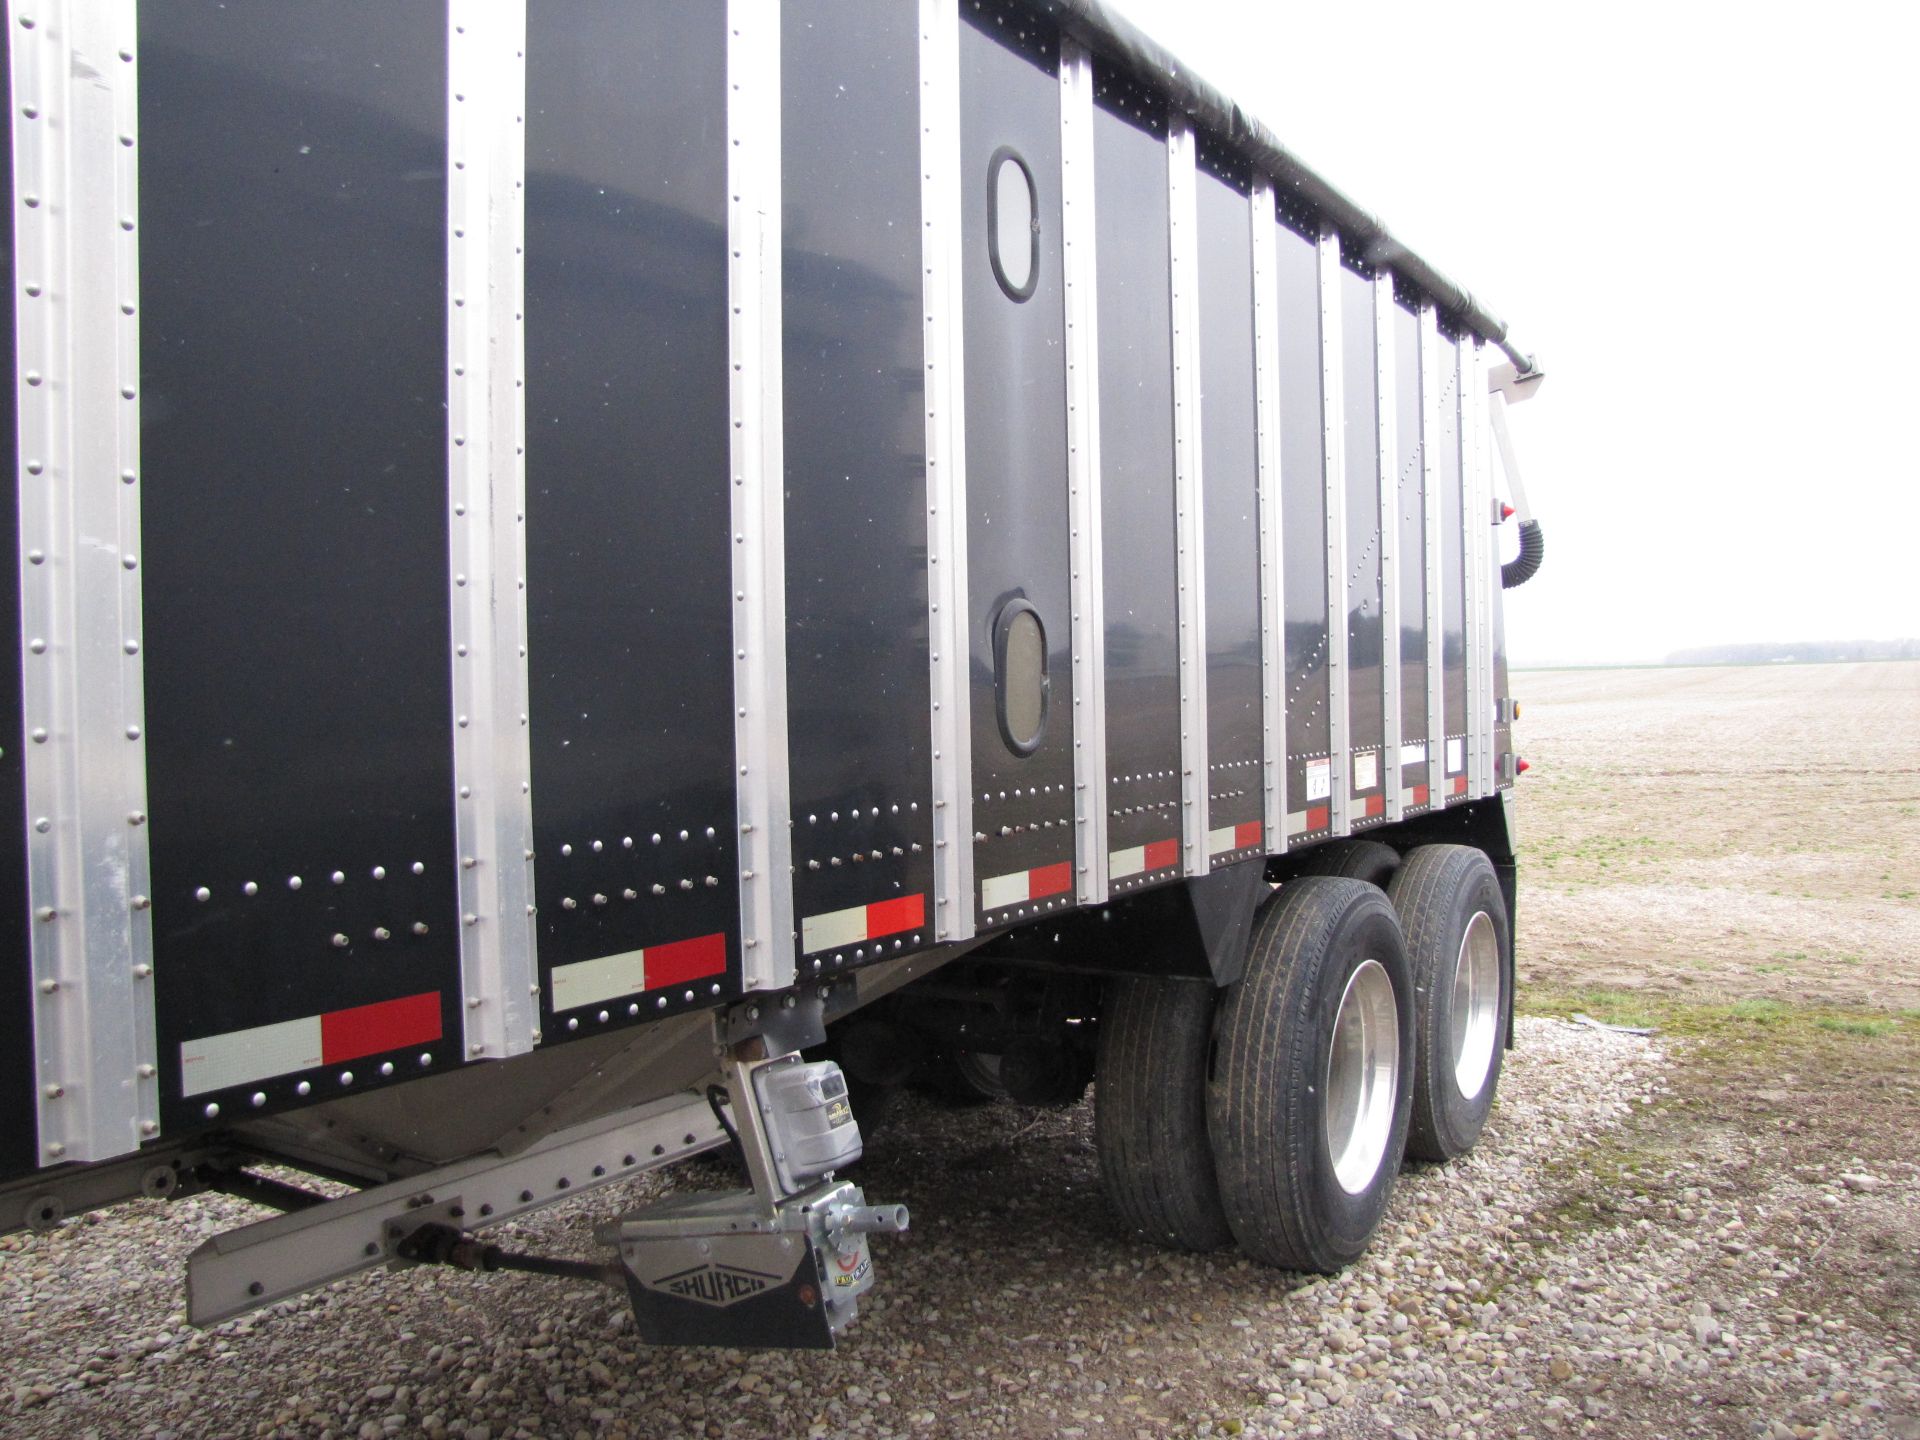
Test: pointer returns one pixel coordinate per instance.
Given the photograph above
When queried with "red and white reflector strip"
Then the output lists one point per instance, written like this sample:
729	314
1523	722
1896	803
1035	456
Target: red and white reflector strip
590	982
1235	837
838	928
998	891
1417	796
1373	805
1141	859
1459	785
1305	822
242	1057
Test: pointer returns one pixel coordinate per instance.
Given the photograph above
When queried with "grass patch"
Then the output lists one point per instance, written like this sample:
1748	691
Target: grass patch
1735	1025
1612	1007
1852	1025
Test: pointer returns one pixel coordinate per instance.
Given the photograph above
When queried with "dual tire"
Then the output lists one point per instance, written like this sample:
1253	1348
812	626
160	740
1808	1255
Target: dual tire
1274	1114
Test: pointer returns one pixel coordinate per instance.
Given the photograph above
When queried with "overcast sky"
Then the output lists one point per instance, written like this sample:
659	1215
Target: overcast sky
1705	220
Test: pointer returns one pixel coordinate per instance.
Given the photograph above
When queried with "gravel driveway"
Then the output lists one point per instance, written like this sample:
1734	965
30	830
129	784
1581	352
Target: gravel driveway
1485	1307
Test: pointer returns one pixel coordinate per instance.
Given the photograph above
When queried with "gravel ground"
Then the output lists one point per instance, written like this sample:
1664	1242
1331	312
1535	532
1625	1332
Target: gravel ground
1491	1304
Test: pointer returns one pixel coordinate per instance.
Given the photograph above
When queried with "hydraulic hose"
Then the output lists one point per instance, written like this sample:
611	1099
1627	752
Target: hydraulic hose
1524	566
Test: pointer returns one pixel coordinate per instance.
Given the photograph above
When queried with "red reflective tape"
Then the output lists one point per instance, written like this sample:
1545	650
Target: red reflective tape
1050	880
684	960
1162	853
1459	784
890	917
388	1025
1251	833
1376	805
1419	794
1318	817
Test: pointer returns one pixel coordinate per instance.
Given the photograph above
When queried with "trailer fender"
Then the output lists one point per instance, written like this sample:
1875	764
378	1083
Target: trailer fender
1197	928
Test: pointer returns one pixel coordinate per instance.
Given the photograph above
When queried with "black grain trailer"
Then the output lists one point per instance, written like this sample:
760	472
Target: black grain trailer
572	554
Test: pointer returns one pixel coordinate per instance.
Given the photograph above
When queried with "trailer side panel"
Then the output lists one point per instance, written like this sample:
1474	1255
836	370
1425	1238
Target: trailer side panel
1137	482
1303	528
629	549
294	516
1365	680
1413	560
1453	590
856	476
17	1143
1014	318
1230	461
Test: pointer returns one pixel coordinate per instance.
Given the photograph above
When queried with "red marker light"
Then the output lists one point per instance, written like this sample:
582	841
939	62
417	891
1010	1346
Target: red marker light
1520	767
1506	510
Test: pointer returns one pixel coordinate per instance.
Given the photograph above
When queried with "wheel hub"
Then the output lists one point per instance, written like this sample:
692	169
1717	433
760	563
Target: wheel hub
1476	1005
1363	1075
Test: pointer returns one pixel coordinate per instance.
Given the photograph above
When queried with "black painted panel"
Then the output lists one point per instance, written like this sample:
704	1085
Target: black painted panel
1229	458
1453	595
1303	525
1365	673
18	1150
856	474
629	553
1016	409
1139	578
1413	550
292	346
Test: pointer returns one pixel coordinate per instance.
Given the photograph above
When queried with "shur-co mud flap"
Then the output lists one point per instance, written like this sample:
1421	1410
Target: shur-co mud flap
723	1270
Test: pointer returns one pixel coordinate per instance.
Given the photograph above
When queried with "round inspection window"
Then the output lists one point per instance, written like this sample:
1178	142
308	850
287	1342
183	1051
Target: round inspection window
1020	676
1013	224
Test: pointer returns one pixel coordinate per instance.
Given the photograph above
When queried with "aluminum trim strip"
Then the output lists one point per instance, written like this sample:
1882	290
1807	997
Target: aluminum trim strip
1087	551
76	255
953	912
1387	441
767	934
1189	509
486	523
1273	593
1334	451
1434	568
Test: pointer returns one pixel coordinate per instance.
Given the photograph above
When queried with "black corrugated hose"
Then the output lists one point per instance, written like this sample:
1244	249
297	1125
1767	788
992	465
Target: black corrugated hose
1524	566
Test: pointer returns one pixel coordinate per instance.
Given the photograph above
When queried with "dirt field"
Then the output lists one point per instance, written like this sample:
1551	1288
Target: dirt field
1724	833
1712	1231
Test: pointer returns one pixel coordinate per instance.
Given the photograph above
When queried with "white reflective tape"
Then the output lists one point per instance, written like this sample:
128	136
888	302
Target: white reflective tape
1219	842
1456	754
1122	863
1297	823
998	890
588	981
836	927
1413	753
240	1057
1319	779
1366	770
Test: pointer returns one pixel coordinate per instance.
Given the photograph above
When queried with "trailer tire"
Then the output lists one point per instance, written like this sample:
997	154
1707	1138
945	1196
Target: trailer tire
1150	1110
1455	920
1367	860
1308	1098
967	1077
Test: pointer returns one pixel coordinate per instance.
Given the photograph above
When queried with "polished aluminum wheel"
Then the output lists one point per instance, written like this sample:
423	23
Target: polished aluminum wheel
1476	1004
1363	1077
